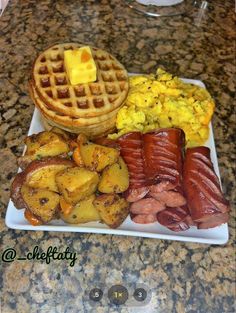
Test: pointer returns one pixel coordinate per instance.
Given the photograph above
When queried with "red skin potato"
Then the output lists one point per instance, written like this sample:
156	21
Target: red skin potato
22	177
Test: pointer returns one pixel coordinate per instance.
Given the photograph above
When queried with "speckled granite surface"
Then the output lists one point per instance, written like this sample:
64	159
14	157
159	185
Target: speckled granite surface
183	277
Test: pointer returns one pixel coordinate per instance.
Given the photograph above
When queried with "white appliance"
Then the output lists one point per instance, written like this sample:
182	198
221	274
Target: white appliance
3	4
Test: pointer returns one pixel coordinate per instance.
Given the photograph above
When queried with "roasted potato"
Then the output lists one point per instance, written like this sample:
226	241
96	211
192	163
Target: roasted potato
68	137
41	174
115	178
83	212
61	132
32	218
42	145
38	174
96	157
81	139
42	203
112	209
15	191
76	183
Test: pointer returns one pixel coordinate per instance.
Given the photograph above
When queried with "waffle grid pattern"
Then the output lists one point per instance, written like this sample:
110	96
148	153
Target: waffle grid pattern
85	100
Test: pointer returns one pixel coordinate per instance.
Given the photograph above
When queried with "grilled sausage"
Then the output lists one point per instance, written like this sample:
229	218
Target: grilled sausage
143	218
147	206
169	198
174	218
214	221
131	151
162	186
132	195
163	156
202	189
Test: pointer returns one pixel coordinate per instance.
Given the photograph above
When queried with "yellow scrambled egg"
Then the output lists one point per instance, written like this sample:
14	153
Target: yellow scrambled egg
161	100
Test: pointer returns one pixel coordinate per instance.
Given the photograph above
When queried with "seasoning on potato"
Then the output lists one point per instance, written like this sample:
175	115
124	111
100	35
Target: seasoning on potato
161	100
97	157
83	212
76	183
112	208
115	178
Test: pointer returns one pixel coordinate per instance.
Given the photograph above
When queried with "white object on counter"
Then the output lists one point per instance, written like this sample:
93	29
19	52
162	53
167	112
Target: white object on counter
159	3
3	4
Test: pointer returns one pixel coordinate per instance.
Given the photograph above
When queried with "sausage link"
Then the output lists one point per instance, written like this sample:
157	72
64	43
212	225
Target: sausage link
169	198
144	218
135	194
147	206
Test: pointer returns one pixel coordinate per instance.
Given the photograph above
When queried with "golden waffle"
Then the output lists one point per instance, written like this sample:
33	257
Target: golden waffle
89	100
65	119
92	127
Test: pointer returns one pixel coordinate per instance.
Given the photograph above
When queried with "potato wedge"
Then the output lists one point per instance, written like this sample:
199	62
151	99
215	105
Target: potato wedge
76	183
81	139
83	212
44	144
42	203
96	157
41	174
38	174
115	178
112	209
32	218
61	132
15	191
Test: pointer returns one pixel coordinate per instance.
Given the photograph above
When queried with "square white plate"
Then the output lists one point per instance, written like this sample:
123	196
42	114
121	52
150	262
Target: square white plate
218	235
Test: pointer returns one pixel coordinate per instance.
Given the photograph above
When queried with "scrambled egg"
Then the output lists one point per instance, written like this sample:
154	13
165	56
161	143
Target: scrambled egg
161	100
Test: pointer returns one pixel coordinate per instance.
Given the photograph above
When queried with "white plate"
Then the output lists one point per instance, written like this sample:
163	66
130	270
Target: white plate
218	235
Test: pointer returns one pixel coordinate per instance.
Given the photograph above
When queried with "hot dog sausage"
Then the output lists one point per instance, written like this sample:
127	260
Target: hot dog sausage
169	198
143	218
147	206
206	202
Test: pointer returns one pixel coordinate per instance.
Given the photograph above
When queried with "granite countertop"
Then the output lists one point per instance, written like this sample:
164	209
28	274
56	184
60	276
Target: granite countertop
183	277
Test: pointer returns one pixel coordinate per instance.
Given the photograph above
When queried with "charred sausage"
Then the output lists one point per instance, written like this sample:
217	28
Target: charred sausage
131	151
169	198
163	156
206	202
174	218
143	218
147	206
132	195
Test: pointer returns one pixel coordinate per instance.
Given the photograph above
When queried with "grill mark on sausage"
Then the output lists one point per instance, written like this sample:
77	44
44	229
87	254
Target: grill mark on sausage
220	204
174	218
202	188
214	221
203	158
162	186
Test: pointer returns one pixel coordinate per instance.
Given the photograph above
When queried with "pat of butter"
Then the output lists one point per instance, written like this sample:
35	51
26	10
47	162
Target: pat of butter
80	66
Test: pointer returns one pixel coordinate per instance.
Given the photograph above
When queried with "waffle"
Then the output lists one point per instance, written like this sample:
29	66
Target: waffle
92	127
81	106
